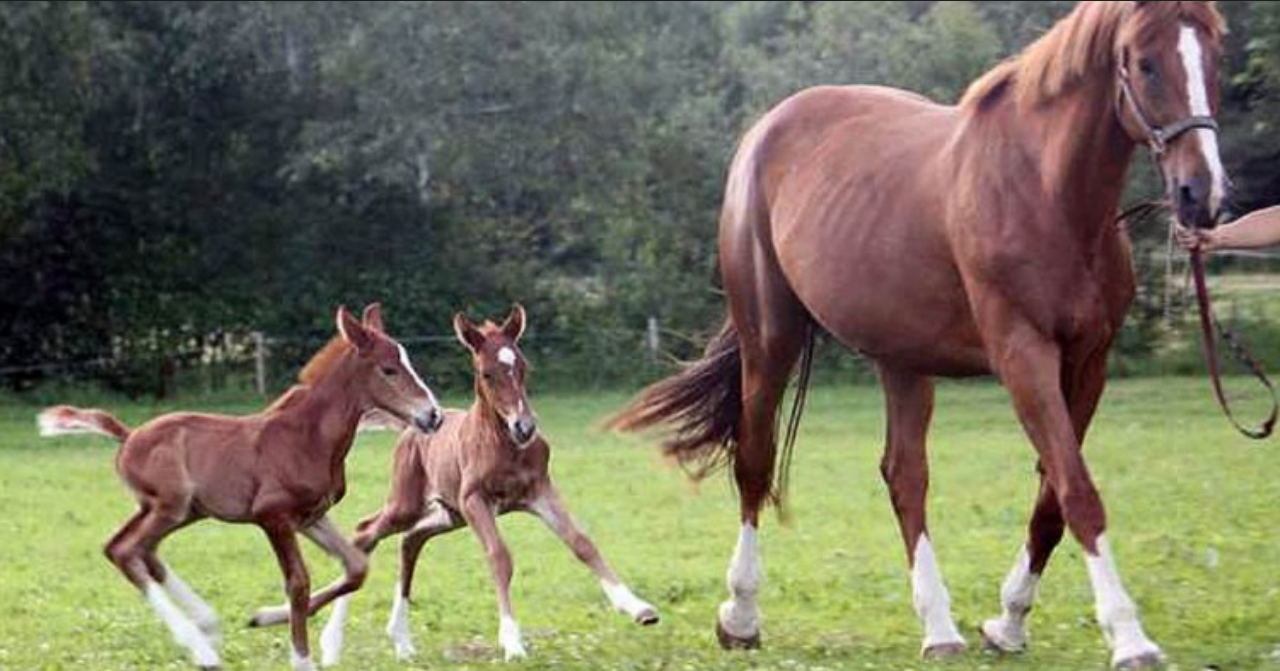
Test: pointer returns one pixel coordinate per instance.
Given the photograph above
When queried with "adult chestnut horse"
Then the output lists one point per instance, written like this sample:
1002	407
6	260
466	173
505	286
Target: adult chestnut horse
281	469
953	241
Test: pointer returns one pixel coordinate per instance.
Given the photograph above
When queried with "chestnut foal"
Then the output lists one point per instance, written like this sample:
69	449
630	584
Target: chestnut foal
483	462
280	469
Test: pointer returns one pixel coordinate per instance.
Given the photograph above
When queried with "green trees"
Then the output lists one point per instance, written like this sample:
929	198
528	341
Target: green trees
172	172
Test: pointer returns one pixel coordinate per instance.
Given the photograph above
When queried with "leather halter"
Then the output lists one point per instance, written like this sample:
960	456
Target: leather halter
1158	138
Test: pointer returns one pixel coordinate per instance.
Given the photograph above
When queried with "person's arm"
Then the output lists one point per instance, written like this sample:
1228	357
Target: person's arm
1256	229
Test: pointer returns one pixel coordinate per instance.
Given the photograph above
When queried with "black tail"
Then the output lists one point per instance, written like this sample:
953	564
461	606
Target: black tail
703	402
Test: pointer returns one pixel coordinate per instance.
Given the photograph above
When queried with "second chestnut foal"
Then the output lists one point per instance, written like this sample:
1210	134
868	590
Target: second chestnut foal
482	463
281	469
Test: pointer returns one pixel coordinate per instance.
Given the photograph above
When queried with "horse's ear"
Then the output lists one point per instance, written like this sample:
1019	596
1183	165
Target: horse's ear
373	317
513	328
352	332
467	333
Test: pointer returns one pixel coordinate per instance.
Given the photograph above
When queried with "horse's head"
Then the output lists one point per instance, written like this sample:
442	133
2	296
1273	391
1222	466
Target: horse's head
500	371
385	379
1167	56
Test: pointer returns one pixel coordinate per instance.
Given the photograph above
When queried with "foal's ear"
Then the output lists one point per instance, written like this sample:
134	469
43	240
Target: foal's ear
356	335
467	333
513	328
373	317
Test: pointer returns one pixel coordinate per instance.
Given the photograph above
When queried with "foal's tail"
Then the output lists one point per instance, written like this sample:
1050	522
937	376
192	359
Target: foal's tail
703	403
62	420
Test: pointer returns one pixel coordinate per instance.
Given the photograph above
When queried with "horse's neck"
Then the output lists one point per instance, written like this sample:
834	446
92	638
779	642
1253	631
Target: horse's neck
329	407
1084	158
486	430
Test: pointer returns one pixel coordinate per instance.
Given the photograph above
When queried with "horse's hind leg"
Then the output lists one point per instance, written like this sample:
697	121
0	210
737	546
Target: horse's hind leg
129	551
200	611
772	329
437	522
905	467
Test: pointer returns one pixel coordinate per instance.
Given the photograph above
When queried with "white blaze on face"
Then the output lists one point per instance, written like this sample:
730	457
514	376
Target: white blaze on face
404	361
507	356
1198	97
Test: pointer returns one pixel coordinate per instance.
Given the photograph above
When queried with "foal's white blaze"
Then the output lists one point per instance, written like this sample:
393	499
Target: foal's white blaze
507	356
1117	615
930	597
184	632
739	616
1198	96
1017	594
398	627
510	639
404	361
331	638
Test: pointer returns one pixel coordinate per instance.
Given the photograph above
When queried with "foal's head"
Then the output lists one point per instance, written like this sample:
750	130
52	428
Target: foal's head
385	380
500	371
1167	56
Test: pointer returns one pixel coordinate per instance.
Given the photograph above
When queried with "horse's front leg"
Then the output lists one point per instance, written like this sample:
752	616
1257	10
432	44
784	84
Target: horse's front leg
550	508
479	516
297	586
1030	365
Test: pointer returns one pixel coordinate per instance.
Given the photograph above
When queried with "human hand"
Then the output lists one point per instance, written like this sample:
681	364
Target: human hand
1196	238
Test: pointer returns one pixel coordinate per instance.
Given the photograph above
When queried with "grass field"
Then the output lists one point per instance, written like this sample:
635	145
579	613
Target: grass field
1194	514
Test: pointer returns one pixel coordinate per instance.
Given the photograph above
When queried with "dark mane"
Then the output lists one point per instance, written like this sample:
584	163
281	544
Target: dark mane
1078	46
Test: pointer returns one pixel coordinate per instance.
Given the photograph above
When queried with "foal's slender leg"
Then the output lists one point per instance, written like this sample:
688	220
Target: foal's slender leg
200	611
479	516
129	549
1030	366
297	585
438	522
1007	633
551	509
905	467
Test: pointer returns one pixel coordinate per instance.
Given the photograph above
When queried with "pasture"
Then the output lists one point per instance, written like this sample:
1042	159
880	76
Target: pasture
1192	507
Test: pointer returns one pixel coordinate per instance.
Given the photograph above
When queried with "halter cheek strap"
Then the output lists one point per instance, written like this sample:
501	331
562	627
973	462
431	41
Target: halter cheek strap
1158	138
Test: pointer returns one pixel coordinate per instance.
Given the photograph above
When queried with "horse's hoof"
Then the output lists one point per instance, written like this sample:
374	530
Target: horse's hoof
1147	660
940	651
730	642
647	617
998	645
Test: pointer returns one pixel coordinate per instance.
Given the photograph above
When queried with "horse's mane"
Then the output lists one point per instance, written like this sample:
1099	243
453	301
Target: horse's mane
1077	47
323	361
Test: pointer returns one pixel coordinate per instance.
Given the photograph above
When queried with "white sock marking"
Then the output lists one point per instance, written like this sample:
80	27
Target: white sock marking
300	663
184	632
929	594
625	600
1198	96
1017	594
740	616
202	614
331	637
398	627
510	639
1117	615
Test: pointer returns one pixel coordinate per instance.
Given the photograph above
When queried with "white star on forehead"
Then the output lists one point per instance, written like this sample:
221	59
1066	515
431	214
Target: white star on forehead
507	356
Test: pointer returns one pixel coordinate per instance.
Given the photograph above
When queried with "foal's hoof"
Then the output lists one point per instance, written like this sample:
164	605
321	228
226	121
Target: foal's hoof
940	651
1148	660
730	642
647	617
998	642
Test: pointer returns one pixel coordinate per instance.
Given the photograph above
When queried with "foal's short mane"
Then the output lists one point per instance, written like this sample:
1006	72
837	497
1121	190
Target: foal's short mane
323	360
1079	45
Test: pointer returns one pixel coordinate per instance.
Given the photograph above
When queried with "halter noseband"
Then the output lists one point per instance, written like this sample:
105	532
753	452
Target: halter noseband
1159	137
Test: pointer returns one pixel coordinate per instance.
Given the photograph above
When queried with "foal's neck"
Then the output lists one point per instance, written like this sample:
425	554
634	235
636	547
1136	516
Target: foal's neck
332	408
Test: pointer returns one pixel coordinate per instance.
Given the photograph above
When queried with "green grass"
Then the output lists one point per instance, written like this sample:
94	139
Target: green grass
1180	486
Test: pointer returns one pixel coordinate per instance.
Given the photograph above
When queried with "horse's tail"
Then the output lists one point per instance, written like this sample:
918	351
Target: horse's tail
62	420
703	403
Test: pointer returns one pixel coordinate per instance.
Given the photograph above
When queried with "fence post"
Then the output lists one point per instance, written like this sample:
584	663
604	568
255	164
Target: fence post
260	362
653	339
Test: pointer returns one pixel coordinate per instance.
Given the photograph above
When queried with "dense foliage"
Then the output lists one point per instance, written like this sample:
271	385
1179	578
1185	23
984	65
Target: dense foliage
174	175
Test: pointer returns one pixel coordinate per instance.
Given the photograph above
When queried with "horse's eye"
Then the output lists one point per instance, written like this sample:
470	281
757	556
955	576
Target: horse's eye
390	372
488	376
1147	67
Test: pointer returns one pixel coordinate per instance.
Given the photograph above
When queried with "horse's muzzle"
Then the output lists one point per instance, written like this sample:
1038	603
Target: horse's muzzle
429	420
523	430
